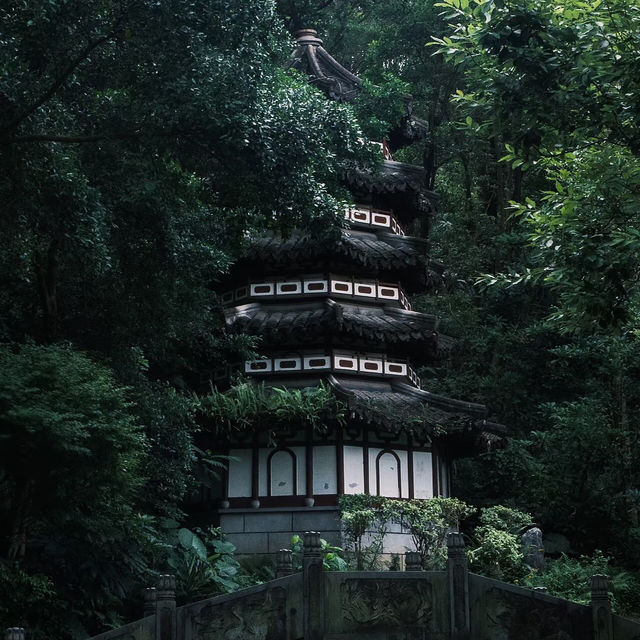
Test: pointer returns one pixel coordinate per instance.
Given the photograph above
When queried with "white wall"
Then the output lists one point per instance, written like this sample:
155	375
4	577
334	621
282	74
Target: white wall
263	455
325	477
282	474
389	473
240	474
325	472
353	470
422	474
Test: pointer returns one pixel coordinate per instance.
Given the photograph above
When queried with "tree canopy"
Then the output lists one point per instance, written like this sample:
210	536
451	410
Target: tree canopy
140	142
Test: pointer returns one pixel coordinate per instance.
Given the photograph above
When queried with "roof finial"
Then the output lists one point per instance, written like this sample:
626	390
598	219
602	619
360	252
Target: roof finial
308	36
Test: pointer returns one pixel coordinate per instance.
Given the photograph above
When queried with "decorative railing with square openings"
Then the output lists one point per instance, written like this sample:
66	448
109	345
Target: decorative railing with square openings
313	286
368	364
373	218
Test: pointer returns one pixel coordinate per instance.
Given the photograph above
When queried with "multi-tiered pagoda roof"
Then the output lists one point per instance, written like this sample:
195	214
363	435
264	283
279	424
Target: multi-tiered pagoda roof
336	310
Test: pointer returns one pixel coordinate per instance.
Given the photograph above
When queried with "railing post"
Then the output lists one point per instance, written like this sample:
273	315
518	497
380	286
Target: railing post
601	608
166	608
312	587
458	574
14	633
284	563
149	602
412	561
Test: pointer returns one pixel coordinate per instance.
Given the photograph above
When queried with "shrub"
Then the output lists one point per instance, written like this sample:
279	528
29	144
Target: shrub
570	578
204	564
498	555
429	521
30	601
332	559
364	519
498	551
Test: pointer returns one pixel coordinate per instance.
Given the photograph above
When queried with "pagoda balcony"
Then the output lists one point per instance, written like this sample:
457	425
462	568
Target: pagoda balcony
332	286
373	218
334	361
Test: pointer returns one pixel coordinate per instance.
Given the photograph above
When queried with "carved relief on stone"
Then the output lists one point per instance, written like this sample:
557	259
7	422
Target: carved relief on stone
395	604
511	616
260	616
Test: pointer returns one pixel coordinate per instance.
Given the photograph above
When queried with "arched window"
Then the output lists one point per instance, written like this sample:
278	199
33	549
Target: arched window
282	473
388	477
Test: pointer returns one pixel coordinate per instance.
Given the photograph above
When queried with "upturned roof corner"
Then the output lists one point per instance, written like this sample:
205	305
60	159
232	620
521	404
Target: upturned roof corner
340	84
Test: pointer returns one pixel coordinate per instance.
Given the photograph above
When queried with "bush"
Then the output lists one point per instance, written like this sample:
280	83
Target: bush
498	555
204	564
498	551
428	521
30	601
570	578
364	518
332	559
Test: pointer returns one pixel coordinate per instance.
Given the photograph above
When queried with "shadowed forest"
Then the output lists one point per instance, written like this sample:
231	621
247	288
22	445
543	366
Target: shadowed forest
142	142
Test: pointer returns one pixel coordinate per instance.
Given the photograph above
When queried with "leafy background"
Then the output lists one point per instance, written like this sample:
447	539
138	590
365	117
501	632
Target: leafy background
141	141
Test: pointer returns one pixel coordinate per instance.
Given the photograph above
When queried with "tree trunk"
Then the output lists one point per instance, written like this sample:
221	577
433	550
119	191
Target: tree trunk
19	520
46	271
468	183
429	163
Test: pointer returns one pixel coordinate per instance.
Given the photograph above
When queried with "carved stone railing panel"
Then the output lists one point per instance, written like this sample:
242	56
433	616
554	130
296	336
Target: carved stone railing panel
625	629
385	605
144	629
272	611
501	611
377	604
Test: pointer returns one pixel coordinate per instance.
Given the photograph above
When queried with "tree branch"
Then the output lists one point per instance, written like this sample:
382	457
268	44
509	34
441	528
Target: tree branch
102	137
51	137
59	81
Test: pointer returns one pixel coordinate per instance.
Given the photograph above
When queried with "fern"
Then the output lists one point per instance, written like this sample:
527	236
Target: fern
247	406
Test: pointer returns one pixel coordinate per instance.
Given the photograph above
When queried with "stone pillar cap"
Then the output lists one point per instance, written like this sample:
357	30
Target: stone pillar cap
455	540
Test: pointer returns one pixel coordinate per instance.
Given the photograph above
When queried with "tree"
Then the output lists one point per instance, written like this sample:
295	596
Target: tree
137	153
140	142
554	83
69	471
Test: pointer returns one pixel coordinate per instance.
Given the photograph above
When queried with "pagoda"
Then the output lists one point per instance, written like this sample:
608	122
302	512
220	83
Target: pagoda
338	313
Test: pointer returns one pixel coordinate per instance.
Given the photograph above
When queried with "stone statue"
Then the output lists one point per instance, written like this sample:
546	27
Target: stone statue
533	548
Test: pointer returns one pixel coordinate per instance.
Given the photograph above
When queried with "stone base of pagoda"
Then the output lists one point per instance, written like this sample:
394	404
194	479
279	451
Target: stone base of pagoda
266	530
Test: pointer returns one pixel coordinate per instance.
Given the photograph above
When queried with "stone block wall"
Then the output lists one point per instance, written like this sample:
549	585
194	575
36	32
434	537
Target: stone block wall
266	530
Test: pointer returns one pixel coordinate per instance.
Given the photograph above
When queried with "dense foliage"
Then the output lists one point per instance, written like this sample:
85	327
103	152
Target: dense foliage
141	141
532	145
247	406
366	520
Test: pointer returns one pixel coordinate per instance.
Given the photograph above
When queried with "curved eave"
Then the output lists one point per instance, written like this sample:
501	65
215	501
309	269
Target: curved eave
425	417
400	407
376	250
392	177
342	85
308	322
323	69
408	131
393	408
